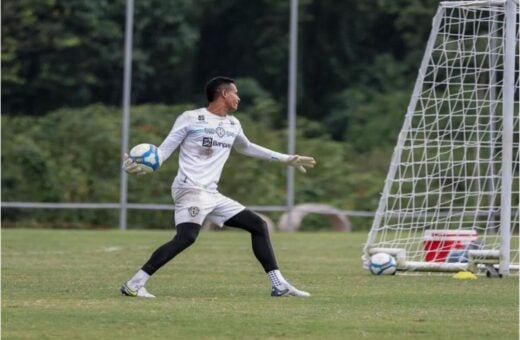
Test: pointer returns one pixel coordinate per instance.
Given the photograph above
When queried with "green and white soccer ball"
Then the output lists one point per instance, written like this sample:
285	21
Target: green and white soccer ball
382	264
147	155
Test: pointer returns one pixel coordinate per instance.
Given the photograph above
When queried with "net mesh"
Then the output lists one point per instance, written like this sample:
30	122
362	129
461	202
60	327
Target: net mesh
446	173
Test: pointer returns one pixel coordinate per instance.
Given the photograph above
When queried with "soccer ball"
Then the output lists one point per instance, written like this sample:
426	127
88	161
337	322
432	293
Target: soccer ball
147	155
382	264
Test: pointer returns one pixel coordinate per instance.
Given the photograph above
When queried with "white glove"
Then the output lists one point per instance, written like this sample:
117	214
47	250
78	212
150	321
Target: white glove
301	162
131	167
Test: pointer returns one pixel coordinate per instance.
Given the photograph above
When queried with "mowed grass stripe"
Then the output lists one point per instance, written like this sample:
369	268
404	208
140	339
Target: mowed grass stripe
60	284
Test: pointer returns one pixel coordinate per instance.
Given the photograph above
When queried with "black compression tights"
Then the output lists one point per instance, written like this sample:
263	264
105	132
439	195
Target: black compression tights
187	234
248	220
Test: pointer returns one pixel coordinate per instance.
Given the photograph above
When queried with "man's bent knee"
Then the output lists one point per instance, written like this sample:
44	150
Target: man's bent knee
187	233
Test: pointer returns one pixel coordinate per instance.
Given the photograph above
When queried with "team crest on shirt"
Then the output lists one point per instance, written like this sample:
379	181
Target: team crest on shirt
194	211
220	131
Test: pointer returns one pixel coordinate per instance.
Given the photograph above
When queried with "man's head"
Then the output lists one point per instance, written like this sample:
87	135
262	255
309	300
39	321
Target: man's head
223	89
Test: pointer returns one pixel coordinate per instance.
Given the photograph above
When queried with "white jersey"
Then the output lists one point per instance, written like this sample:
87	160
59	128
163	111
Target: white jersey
205	141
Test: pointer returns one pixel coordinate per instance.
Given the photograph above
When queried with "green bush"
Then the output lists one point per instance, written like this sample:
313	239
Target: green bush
73	155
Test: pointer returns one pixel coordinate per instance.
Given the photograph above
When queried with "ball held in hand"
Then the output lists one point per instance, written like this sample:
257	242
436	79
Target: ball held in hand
146	156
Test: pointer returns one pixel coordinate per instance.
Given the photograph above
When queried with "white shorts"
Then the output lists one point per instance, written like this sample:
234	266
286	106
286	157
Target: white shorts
194	205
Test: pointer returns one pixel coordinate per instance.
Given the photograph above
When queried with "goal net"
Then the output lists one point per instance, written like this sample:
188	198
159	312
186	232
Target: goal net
451	197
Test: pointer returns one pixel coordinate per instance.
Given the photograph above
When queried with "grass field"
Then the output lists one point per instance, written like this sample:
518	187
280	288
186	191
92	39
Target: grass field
64	285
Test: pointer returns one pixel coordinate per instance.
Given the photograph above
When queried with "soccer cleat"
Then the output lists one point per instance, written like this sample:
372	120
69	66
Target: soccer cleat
139	292
288	290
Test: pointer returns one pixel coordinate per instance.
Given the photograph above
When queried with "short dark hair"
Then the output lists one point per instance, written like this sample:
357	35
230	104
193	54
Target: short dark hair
214	85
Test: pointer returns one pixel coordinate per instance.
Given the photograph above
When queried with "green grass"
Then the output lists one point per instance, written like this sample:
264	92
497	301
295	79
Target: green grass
64	285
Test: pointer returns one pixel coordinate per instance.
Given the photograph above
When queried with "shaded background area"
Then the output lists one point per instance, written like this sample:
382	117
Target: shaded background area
62	64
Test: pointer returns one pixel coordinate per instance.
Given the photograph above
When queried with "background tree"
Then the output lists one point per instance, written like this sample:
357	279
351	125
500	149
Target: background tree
59	53
62	77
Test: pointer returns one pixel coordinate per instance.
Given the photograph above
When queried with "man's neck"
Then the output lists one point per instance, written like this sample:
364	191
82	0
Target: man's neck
217	109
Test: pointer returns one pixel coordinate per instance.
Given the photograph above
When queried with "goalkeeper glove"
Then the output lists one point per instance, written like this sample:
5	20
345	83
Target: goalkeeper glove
131	167
301	162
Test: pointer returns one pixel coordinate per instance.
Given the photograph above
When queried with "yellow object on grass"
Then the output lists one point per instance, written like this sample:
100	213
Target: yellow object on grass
464	276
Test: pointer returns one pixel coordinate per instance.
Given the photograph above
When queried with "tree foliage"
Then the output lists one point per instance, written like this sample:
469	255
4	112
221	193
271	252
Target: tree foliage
62	64
59	53
73	155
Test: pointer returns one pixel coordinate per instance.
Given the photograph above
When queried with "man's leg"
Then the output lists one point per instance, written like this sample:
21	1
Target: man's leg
263	250
186	235
248	220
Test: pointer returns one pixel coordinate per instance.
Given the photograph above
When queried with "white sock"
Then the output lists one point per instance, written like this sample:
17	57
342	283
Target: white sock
138	280
277	279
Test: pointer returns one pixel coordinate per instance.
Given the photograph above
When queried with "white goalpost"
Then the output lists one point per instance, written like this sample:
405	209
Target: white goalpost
451	197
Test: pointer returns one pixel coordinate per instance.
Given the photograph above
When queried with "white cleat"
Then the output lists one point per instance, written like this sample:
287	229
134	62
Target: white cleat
289	290
139	292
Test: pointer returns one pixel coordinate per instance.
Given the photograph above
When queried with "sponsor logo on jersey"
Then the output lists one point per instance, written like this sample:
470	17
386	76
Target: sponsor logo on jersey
207	142
194	211
201	120
221	132
221	144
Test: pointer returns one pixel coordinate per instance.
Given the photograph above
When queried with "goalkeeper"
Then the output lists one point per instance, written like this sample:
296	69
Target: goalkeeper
205	137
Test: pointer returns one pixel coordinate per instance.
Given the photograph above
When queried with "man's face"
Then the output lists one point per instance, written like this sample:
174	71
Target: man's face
231	98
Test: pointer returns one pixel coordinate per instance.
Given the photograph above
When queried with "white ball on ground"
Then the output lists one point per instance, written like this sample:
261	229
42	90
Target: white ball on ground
382	264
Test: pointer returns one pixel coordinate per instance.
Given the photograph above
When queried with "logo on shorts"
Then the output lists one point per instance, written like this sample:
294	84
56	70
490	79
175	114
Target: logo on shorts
194	211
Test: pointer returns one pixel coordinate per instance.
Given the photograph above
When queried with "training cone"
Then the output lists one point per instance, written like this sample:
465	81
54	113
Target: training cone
465	276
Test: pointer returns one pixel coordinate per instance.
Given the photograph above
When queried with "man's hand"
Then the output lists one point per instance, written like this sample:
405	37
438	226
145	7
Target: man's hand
131	167
301	162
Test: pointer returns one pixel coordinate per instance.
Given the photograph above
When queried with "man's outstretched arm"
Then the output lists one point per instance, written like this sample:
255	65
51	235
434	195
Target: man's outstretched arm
244	146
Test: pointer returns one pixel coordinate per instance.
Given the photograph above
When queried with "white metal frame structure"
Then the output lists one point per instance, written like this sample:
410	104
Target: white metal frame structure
455	170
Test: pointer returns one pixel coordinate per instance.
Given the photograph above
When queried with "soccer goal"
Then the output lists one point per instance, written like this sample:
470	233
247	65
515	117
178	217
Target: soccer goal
451	197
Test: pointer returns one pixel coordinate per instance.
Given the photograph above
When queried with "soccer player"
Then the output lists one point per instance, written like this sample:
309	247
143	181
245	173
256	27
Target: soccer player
205	137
